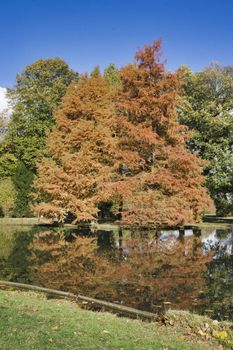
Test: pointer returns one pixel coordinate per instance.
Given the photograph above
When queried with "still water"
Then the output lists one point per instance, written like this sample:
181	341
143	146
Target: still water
193	271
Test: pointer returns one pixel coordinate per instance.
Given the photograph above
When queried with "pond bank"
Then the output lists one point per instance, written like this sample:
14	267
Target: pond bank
29	321
24	221
218	219
35	221
82	299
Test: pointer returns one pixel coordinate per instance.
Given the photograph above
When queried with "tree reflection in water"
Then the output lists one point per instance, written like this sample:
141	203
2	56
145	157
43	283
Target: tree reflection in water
14	252
217	294
140	270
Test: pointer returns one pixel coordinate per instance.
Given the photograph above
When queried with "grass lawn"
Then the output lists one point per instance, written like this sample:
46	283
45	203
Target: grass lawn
30	321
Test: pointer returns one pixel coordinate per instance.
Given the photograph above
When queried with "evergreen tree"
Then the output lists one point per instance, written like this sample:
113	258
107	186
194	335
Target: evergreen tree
7	197
111	75
22	180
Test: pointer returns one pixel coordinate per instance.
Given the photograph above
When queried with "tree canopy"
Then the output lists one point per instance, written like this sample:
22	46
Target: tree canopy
111	75
162	180
38	91
8	197
207	111
125	146
82	151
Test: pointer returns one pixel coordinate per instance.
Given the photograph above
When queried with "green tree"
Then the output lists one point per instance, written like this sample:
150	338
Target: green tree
7	160
96	72
111	75
3	123
208	112
38	91
22	180
8	163
7	197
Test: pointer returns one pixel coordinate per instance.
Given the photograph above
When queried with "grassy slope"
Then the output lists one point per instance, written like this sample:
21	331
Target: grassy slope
29	321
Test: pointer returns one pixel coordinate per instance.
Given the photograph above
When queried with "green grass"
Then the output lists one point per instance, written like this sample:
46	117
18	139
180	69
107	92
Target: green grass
30	321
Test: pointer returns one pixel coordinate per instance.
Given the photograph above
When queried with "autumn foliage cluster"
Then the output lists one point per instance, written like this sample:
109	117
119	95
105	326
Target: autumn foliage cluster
122	144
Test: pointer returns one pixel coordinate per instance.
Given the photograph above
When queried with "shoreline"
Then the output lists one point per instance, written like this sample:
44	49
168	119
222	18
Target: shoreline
106	225
30	321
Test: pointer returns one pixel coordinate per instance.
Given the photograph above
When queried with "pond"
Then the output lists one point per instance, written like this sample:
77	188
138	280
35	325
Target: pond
192	270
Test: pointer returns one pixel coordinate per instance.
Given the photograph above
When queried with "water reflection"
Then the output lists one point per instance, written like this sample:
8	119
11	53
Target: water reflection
134	270
139	269
218	289
14	252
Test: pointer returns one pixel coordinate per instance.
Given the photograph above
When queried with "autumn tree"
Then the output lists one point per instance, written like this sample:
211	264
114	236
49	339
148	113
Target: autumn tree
82	150
159	179
125	146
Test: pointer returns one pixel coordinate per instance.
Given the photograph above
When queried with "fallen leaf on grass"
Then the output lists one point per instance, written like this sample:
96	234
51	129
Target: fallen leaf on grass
34	309
201	333
189	331
220	335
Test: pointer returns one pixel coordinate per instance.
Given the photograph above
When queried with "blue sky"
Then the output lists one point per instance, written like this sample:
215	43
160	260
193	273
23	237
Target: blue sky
90	32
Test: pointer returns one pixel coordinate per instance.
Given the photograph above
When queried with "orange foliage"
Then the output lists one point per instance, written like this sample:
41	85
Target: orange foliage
160	179
82	147
123	145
